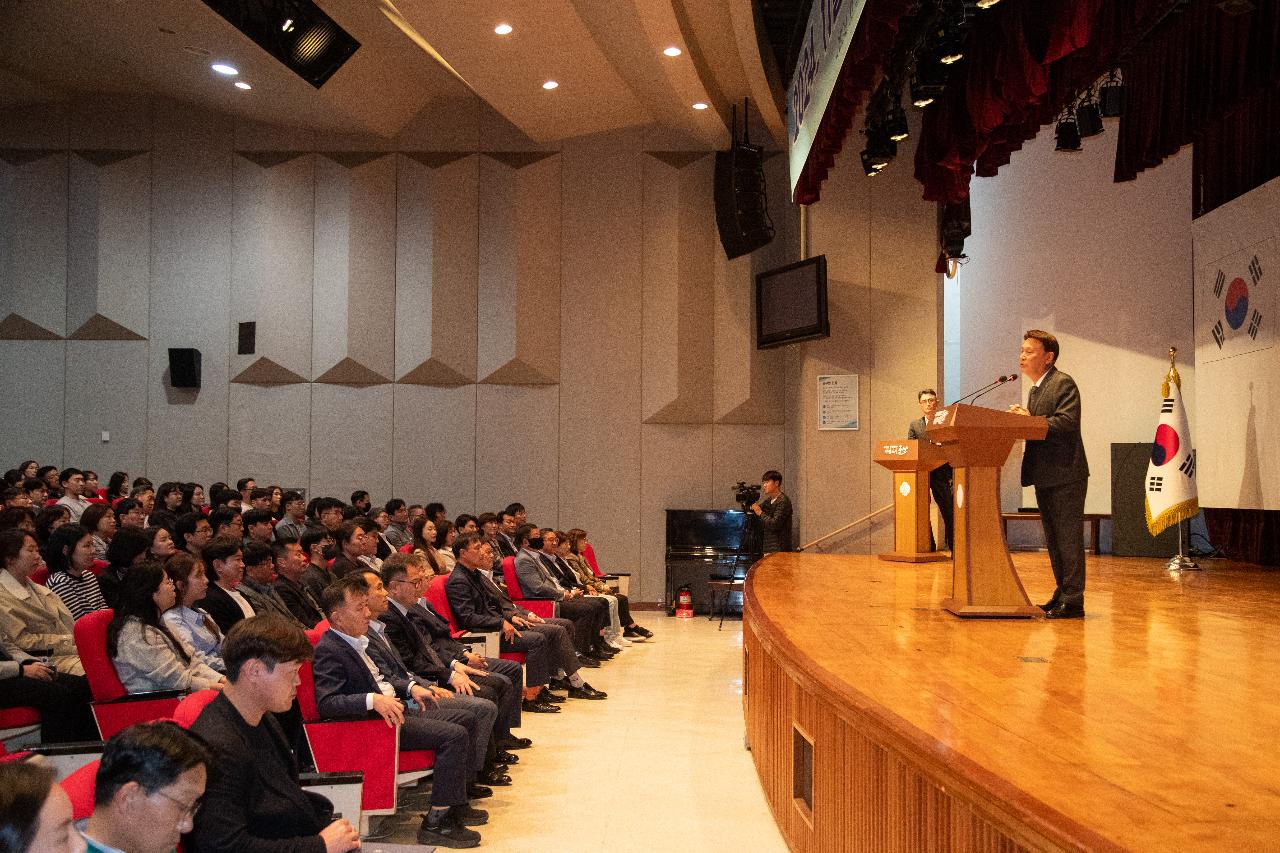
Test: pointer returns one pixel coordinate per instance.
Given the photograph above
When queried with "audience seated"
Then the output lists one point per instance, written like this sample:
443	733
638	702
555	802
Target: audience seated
589	616
32	616
259	575
62	700
35	813
72	482
100	521
130	513
69	557
251	754
258	524
625	629
351	547
185	620
423	534
315	542
126	549
149	786
49	519
147	656
291	567
225	568
160	547
348	682
192	532
293	522
397	531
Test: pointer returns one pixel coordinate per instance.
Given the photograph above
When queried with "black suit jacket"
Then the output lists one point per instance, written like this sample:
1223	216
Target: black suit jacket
341	566
775	517
560	572
413	646
315	579
253	803
301	603
506	547
474	608
1058	458
436	628
919	431
221	607
342	679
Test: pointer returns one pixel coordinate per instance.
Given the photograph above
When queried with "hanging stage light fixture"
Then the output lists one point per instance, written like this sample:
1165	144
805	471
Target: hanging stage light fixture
1111	96
1067	133
1088	116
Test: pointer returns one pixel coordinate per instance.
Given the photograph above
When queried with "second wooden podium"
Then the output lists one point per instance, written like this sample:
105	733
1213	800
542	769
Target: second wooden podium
910	461
977	441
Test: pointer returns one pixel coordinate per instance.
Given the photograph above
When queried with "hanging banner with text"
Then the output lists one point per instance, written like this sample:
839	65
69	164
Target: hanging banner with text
838	401
826	42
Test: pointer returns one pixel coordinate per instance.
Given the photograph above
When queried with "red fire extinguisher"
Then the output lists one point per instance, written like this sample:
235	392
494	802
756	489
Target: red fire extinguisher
684	603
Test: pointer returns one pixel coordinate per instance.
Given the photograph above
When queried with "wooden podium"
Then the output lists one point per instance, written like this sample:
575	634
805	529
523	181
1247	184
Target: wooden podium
910	461
976	441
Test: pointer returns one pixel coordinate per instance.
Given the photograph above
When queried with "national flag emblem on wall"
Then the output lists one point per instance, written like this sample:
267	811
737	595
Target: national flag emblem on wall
1171	474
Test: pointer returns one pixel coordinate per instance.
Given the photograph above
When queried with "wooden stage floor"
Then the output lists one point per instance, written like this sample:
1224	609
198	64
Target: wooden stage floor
1152	724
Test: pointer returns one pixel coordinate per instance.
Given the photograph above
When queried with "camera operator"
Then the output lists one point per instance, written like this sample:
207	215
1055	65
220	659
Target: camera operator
774	511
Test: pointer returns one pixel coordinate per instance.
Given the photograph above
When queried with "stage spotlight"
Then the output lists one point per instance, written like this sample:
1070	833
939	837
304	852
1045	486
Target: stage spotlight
869	164
928	81
895	124
950	39
880	149
1088	117
1111	97
987	4
1068	135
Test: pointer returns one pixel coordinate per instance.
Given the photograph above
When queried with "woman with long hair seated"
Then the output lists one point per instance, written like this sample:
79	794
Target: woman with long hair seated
128	548
445	534
424	543
571	547
69	556
100	521
190	624
33	616
147	656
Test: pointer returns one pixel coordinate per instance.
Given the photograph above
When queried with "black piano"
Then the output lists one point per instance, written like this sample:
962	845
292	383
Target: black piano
708	544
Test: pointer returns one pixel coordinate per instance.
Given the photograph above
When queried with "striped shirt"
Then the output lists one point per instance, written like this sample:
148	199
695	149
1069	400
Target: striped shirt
81	594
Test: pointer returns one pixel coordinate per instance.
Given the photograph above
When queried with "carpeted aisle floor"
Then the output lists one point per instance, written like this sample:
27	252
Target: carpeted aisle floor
659	765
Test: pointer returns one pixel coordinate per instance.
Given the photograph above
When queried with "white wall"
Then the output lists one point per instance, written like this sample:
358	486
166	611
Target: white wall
1106	267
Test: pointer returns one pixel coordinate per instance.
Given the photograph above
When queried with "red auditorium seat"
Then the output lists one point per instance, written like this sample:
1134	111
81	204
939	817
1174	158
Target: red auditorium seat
113	707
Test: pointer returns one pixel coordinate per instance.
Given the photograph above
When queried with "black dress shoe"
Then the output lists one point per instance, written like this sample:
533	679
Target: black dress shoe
536	706
447	832
495	777
559	684
478	792
546	695
507	758
588	661
643	632
469	815
1051	603
1066	611
513	742
601	653
586	691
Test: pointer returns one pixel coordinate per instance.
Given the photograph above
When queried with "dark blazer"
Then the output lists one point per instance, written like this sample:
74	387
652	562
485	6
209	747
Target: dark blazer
560	571
221	607
919	431
342	679
1058	458
506	547
315	579
414	647
301	603
267	602
388	660
253	803
341	566
775	518
474	608
437	631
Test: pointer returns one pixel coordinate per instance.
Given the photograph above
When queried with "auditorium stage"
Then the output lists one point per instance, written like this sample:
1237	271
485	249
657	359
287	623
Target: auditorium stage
1151	724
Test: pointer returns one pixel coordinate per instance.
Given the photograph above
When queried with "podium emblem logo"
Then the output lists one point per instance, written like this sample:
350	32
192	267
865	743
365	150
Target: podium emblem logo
904	489
959	495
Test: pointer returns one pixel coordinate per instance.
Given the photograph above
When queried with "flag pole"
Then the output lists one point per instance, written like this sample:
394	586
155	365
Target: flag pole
1180	562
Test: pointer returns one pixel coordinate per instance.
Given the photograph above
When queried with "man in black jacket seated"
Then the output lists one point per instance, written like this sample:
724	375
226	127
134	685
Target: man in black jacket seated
424	641
291	564
253	802
348	683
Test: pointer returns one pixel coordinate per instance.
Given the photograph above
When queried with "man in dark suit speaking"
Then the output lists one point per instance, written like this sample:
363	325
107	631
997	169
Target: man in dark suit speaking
1057	468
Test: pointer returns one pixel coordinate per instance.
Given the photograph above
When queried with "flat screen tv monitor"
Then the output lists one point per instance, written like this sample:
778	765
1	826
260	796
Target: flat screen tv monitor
791	303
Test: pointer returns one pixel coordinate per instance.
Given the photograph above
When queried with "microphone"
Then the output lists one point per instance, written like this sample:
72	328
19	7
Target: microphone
998	383
984	389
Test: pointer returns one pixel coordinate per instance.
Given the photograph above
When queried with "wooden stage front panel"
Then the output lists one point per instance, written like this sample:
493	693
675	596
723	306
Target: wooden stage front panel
1152	724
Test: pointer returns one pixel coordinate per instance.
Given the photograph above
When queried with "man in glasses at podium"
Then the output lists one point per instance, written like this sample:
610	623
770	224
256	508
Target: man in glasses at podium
939	478
1056	466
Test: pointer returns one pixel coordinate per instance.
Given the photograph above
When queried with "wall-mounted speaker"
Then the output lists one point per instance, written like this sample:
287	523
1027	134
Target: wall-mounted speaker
742	208
184	367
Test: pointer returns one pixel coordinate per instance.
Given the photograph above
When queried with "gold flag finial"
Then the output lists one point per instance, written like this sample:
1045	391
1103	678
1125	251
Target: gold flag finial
1172	375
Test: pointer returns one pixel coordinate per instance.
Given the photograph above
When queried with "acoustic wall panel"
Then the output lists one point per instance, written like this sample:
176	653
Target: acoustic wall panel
103	394
33	243
351	441
31	384
273	236
519	286
678	319
676	474
434	444
270	434
193	178
109	244
436	268
517	450
354	301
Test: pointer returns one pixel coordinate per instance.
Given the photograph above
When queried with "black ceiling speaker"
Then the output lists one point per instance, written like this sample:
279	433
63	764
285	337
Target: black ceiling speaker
296	32
742	205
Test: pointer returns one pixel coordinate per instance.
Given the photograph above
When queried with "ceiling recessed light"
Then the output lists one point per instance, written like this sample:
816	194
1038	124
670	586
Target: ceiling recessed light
672	51
503	29
240	84
550	84
201	52
699	106
223	68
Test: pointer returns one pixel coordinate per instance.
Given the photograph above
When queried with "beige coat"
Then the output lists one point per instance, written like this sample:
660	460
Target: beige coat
39	623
